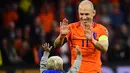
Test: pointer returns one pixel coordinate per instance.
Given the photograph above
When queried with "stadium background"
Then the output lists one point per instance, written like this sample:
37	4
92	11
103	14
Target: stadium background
26	24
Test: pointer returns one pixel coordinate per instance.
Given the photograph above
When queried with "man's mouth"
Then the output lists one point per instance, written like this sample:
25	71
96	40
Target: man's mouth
85	22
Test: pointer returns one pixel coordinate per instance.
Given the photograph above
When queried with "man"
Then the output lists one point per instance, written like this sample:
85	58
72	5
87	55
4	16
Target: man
91	37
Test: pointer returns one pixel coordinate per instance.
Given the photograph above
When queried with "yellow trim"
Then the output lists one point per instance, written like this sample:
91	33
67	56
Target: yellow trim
103	37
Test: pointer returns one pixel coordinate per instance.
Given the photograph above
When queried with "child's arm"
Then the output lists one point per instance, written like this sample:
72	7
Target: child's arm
77	62
44	57
76	66
43	62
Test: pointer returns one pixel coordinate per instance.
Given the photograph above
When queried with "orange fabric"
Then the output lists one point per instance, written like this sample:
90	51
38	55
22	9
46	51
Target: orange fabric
91	62
10	17
47	20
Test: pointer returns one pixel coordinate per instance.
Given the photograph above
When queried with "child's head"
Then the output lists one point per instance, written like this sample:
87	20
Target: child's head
55	63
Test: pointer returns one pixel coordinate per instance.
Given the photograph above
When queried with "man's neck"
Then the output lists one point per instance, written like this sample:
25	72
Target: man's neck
87	25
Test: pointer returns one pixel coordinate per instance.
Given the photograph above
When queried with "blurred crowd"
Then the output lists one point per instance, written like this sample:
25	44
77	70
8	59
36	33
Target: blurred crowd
26	24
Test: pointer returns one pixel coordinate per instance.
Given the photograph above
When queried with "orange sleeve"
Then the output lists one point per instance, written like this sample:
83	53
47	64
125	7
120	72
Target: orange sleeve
104	31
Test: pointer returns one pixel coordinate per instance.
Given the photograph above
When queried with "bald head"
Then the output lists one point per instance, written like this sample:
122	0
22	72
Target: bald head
86	12
86	4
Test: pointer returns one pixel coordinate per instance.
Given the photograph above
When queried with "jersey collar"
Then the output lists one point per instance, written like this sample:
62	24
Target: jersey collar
93	24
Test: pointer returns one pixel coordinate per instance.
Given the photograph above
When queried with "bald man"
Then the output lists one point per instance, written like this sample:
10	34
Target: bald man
90	36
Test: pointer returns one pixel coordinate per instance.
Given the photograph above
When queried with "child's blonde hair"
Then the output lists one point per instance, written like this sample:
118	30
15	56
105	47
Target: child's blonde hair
55	63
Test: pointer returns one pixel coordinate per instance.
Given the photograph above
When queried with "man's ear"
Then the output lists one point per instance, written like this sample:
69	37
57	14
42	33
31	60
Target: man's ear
94	12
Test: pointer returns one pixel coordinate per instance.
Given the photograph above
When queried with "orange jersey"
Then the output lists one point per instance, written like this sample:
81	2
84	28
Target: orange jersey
91	62
47	21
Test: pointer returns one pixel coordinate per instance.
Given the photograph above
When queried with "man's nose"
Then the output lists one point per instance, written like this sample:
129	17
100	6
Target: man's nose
84	17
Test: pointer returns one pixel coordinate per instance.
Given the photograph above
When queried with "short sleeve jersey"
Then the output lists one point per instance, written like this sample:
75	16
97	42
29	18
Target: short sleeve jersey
91	62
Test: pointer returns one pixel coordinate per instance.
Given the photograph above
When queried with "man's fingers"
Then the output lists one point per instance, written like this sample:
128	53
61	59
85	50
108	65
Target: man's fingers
88	30
60	23
87	27
90	27
65	21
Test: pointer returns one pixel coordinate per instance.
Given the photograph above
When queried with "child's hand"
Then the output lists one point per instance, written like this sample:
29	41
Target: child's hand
47	47
78	50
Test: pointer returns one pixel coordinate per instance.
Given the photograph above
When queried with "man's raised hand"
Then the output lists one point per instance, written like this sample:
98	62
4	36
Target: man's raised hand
64	28
88	31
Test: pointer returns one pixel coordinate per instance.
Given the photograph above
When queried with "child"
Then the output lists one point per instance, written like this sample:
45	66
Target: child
55	64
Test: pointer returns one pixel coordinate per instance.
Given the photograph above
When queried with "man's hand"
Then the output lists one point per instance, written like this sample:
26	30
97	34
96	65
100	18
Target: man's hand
78	50
64	28
88	31
47	47
88	35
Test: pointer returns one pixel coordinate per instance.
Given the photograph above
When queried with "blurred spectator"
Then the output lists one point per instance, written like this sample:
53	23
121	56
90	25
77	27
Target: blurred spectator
116	17
118	52
119	48
10	15
124	5
62	9
105	17
11	52
35	34
114	2
10	32
5	57
26	13
65	10
18	40
46	17
27	52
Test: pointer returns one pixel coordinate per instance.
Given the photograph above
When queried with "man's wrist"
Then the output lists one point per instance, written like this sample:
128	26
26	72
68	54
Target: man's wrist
61	36
93	41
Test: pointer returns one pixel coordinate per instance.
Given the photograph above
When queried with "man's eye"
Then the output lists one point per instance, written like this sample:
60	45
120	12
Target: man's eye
81	14
86	13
